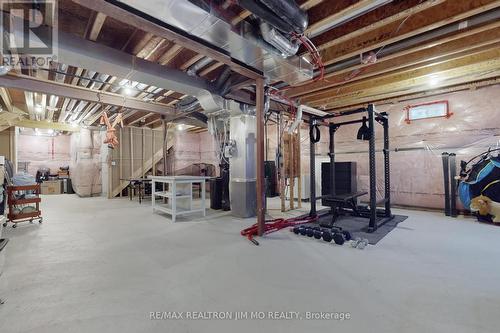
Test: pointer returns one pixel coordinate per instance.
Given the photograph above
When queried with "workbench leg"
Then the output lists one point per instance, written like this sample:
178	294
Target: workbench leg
153	187
174	200
203	201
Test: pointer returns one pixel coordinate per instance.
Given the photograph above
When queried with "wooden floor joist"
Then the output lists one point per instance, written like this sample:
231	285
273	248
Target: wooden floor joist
429	19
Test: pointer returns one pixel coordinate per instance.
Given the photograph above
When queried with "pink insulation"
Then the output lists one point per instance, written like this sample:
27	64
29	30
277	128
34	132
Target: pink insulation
40	151
192	148
86	162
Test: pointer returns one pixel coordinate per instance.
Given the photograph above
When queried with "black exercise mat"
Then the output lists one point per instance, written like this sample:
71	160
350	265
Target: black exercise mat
357	226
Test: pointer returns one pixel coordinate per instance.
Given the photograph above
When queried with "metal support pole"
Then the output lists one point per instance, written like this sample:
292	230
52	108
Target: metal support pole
373	174
165	144
387	168
261	193
331	153
312	165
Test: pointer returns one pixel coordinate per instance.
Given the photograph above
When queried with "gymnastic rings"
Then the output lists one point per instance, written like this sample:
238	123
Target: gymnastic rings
314	133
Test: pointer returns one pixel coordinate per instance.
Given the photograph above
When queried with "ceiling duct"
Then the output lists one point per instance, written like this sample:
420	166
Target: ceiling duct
276	39
242	44
284	15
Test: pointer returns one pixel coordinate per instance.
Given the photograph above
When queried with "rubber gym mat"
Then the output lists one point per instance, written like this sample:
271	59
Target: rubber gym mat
357	226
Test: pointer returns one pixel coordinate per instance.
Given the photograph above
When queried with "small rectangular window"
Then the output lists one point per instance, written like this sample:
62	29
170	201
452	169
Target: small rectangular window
427	110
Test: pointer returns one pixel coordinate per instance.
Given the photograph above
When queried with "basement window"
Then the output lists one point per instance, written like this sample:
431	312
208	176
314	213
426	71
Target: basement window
427	110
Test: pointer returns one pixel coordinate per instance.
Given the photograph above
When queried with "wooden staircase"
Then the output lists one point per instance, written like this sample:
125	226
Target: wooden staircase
138	171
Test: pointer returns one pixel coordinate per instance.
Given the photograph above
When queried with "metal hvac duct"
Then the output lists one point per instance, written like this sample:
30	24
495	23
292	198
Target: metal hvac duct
277	40
242	45
284	15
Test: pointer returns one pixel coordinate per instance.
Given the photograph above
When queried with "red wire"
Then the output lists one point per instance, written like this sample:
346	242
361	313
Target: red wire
271	226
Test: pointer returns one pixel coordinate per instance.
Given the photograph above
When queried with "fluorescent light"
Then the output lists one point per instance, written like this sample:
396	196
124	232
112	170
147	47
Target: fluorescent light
50	131
128	91
434	80
343	19
181	127
4	69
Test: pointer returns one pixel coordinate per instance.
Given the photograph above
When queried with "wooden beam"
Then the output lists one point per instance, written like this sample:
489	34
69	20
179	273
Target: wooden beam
241	16
339	14
28	83
168	56
191	62
383	80
7	101
45	125
138	22
97	26
376	19
310	3
477	67
210	68
434	92
412	62
428	51
430	19
261	193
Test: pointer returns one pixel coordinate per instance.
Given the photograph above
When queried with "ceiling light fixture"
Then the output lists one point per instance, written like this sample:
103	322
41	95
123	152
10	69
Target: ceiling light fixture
4	69
315	31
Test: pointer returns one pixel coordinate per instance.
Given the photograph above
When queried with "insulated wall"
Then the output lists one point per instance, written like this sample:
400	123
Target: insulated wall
85	165
416	165
39	151
191	148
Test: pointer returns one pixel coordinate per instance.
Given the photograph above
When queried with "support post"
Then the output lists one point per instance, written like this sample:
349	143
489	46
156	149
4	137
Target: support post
331	153
165	146
312	173
261	194
387	168
372	226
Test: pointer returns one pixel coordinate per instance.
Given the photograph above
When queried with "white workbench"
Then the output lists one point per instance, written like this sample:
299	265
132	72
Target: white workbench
179	192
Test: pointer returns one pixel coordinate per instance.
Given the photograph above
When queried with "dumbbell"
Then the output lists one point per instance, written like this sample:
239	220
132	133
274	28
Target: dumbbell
347	234
311	230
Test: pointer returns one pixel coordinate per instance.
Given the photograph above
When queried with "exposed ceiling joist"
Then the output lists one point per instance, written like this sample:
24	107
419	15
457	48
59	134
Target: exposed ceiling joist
138	22
96	26
424	52
476	67
432	92
392	12
429	19
45	125
32	84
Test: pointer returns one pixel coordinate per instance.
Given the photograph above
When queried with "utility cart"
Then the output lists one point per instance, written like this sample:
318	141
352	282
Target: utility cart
20	197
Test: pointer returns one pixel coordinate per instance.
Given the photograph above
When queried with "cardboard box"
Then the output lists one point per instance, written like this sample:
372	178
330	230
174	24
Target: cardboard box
51	187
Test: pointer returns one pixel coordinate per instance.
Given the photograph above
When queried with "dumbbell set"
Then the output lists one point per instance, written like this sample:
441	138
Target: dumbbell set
336	234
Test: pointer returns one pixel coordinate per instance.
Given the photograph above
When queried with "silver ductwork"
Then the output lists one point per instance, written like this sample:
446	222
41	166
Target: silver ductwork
242	44
277	40
194	69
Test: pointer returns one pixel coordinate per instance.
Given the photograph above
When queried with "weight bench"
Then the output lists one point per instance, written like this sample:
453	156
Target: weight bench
340	201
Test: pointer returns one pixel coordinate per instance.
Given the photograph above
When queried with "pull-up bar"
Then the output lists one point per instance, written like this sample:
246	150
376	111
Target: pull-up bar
371	118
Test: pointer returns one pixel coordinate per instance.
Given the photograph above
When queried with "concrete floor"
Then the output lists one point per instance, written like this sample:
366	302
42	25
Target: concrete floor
98	265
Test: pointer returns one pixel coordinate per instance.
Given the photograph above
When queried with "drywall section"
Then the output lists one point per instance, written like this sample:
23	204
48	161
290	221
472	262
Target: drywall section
85	163
36	151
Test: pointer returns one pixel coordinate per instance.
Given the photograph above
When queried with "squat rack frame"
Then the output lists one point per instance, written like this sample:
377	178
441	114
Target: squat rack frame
376	219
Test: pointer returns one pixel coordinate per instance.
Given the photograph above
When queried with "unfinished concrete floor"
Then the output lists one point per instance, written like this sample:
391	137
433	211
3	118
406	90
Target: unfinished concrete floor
100	265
